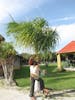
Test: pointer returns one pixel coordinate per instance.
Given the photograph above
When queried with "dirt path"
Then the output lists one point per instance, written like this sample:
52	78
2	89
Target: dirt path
12	94
16	94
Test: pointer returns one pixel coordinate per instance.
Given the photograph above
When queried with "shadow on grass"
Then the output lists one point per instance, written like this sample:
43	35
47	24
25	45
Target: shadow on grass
62	93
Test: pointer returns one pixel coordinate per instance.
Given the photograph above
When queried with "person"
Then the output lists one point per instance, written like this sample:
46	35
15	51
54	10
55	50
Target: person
32	75
35	75
39	79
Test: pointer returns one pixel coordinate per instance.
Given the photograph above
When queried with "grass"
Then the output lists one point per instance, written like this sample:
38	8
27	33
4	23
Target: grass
54	79
22	77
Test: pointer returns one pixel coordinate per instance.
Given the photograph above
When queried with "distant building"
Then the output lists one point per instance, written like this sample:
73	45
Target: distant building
1	38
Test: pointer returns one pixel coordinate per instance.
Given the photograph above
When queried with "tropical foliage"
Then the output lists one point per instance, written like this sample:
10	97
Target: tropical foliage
35	34
7	53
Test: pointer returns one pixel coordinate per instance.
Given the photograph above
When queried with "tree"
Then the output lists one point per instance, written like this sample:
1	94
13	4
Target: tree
36	34
7	53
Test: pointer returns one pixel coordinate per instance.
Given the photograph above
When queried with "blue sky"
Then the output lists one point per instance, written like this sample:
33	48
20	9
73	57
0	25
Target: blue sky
60	14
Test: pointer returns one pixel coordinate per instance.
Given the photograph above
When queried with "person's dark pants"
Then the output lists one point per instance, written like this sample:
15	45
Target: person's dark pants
33	83
41	83
32	87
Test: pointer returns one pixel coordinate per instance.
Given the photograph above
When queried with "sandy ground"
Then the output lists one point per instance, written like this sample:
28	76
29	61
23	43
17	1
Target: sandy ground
12	94
16	94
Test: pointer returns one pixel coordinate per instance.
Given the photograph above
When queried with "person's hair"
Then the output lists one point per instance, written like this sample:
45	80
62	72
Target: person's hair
31	61
35	63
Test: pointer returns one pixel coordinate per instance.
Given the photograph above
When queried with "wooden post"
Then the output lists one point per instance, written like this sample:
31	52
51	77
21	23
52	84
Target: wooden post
59	62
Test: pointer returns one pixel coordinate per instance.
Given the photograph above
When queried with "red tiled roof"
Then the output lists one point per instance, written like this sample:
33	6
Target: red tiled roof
68	48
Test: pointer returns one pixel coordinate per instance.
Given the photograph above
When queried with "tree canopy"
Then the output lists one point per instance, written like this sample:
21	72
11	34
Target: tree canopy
6	49
36	34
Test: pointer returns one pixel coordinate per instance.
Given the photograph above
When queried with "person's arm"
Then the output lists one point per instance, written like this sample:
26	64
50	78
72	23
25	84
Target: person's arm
34	76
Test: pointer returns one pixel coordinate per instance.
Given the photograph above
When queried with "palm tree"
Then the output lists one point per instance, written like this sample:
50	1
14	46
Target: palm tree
36	34
7	61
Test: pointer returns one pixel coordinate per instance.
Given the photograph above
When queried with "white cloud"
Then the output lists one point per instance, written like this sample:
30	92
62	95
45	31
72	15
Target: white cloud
17	6
63	19
66	33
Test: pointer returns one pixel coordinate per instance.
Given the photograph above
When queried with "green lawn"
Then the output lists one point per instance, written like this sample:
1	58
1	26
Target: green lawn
54	79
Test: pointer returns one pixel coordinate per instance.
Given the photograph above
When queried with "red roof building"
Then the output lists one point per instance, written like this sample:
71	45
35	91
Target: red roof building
68	48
